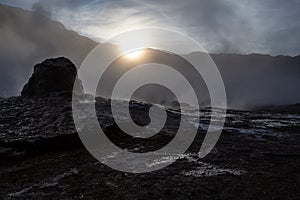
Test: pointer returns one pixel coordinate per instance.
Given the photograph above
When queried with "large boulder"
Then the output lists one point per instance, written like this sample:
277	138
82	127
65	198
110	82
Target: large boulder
52	76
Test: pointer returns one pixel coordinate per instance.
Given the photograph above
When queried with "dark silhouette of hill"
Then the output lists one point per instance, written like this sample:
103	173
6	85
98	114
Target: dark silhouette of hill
28	38
256	80
250	80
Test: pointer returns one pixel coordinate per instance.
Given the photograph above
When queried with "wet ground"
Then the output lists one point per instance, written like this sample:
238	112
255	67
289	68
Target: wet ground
256	157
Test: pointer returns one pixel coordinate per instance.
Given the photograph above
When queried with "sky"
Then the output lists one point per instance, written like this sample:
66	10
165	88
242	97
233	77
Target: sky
220	26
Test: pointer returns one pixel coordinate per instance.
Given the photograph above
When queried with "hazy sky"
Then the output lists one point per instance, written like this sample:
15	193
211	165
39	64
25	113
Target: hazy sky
239	26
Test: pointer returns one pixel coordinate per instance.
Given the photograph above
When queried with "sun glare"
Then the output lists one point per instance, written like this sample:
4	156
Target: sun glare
132	45
135	54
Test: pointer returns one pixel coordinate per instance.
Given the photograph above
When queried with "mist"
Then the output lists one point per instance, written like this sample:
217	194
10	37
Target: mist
28	38
220	26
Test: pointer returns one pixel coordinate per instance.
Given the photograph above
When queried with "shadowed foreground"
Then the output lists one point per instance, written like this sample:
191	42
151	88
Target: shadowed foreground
42	157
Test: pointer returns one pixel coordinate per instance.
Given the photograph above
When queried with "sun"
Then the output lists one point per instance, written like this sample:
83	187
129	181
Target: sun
132	46
133	55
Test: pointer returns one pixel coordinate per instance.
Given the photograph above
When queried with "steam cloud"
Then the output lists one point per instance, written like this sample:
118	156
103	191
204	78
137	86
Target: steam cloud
221	26
28	38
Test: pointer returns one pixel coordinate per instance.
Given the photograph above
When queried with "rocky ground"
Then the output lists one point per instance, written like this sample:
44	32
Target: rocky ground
257	156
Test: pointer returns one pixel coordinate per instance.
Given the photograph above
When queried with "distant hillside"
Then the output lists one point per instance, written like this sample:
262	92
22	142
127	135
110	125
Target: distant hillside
256	80
250	80
28	38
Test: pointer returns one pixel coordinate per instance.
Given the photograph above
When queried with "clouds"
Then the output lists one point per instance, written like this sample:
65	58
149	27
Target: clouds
278	25
218	25
232	26
229	26
42	8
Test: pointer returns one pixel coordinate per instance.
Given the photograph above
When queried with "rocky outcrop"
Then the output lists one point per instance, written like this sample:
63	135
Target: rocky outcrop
52	75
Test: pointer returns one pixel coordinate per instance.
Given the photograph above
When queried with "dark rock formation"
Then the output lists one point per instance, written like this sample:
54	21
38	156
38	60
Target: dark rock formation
52	75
